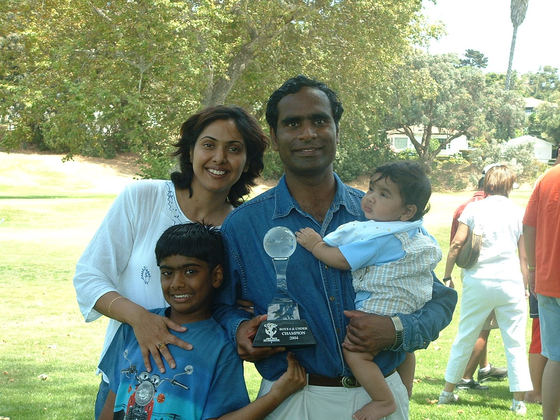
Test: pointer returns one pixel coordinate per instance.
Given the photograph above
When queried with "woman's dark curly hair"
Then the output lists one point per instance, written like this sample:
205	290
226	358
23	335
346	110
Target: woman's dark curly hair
256	143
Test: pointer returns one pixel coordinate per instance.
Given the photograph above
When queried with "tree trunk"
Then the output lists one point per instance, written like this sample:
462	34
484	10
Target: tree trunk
518	10
510	63
220	89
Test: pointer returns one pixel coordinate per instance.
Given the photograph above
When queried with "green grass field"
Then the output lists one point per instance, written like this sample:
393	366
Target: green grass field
48	354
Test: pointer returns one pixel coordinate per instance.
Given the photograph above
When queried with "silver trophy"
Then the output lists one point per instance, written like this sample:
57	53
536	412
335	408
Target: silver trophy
283	326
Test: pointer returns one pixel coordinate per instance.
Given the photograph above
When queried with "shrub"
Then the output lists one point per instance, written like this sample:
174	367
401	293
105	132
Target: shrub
460	172
519	158
453	174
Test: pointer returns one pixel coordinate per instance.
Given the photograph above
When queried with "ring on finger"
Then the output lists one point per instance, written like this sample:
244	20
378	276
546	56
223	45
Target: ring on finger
161	345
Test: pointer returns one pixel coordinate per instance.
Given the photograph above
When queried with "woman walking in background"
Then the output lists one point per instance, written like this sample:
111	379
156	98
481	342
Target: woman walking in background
498	281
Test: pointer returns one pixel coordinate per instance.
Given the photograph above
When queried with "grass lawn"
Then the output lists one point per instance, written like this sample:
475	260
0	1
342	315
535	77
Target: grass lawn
48	354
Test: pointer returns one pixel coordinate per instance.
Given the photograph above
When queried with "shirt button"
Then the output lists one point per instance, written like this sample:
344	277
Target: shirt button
332	298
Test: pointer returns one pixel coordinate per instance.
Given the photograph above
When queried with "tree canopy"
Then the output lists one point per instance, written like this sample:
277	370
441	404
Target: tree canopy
545	122
435	92
544	84
474	58
99	77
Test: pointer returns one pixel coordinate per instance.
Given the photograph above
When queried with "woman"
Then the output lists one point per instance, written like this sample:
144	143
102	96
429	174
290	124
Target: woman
220	154
495	282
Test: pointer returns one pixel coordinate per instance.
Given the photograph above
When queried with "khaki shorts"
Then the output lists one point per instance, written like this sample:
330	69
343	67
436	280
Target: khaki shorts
322	402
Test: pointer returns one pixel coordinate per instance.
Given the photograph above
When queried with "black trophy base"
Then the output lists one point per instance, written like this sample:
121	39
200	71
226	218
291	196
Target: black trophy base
284	333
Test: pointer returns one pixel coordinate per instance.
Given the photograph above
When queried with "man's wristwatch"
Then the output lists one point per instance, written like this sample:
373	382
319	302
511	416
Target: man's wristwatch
399	333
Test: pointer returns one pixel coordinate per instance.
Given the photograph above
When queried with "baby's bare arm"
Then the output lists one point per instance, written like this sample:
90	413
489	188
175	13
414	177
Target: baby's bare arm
330	255
308	238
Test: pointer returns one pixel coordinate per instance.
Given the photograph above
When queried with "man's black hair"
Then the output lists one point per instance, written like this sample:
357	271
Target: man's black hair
294	85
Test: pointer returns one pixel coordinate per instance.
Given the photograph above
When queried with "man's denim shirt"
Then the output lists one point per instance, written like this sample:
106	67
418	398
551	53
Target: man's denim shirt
321	292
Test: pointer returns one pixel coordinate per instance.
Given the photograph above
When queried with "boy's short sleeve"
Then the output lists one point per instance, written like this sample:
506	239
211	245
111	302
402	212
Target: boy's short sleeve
110	363
228	391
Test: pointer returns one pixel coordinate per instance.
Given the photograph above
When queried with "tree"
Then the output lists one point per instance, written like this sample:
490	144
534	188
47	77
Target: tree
504	113
474	58
12	69
518	10
433	92
101	77
520	159
545	122
544	85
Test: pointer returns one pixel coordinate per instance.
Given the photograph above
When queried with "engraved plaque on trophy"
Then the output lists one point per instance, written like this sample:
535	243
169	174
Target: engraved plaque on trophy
283	327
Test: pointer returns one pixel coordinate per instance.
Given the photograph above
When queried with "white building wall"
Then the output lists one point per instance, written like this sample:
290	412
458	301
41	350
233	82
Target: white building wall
401	142
542	149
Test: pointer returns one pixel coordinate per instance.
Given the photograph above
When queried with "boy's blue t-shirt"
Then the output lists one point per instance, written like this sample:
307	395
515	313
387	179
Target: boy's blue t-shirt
212	371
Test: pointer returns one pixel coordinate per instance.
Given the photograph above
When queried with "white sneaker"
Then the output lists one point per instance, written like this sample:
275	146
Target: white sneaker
518	407
447	398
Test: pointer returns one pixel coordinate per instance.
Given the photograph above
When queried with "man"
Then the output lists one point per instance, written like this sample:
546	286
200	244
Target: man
537	361
541	230
479	356
304	117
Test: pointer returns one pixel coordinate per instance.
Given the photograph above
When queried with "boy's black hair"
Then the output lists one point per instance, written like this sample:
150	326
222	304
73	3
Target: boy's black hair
193	240
294	85
414	185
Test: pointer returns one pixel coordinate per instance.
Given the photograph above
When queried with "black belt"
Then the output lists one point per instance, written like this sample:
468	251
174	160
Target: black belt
340	381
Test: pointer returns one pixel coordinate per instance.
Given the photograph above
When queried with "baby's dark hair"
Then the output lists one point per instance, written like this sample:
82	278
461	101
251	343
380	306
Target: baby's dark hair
193	240
414	185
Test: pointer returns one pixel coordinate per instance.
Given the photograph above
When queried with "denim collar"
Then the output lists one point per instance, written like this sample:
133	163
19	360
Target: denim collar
285	203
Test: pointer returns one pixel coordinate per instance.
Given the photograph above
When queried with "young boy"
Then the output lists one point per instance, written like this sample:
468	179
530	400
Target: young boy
208	382
391	257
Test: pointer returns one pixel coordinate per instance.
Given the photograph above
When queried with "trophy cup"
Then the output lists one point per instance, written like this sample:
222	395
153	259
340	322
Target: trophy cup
283	328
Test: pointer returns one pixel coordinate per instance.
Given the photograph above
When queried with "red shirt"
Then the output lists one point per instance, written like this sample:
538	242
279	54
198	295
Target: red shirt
543	213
